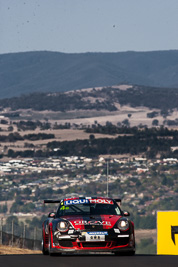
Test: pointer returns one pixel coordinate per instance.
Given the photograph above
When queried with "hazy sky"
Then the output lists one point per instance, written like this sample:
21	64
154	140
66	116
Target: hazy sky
88	25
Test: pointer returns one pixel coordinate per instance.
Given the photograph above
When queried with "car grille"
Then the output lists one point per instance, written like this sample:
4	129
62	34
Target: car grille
66	243
94	244
122	242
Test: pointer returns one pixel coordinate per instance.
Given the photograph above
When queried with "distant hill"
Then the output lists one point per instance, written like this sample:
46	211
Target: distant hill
106	98
28	72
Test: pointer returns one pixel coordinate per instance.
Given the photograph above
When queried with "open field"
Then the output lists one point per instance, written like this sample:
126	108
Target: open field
138	116
89	117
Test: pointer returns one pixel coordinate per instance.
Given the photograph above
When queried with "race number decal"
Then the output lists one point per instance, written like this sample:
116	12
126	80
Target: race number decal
95	236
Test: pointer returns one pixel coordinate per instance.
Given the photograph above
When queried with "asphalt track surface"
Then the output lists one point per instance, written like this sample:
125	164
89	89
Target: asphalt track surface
88	260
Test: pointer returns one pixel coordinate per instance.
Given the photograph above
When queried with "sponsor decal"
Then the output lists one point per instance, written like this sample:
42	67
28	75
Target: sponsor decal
117	230
101	201
97	233
87	201
92	223
64	208
76	201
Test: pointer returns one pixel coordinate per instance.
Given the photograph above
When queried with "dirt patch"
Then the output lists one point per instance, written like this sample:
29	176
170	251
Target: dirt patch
123	87
7	250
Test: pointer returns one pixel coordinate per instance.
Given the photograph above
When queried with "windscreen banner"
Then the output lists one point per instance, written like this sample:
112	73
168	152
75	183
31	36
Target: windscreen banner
167	232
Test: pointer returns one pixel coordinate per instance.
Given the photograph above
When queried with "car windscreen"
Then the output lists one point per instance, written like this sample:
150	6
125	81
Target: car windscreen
88	209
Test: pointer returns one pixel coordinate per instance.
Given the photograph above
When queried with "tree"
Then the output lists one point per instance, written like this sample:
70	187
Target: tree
3	209
10	128
155	122
4	121
92	137
28	207
11	153
164	180
164	113
27	191
126	122
152	114
12	218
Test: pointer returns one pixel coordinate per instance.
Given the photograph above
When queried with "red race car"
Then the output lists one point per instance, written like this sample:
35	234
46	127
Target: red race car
89	224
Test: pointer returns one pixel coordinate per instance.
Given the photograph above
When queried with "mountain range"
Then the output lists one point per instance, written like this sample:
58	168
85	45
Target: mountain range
27	72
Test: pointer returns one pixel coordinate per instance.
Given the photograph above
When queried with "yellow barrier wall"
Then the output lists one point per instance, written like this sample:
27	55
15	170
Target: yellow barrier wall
167	232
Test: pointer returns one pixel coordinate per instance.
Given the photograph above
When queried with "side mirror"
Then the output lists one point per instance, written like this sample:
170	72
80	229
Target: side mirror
52	215
126	213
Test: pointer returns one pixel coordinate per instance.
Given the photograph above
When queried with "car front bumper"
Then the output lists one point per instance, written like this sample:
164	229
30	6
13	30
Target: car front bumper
109	245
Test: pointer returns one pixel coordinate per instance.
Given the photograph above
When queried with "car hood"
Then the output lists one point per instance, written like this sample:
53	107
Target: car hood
93	222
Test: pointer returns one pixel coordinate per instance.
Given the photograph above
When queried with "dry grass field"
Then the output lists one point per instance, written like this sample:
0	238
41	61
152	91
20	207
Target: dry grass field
137	116
89	117
7	250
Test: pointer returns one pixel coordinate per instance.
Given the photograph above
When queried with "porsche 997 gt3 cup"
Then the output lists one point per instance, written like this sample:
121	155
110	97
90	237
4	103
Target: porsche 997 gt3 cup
88	224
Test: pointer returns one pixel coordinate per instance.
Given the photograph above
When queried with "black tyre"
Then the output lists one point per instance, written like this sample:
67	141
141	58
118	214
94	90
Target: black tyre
44	251
49	248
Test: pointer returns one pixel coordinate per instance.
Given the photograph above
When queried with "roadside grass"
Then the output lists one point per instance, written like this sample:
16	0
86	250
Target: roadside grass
8	250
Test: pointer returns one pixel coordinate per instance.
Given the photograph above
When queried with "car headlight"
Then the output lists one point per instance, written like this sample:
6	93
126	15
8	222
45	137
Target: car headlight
123	225
62	226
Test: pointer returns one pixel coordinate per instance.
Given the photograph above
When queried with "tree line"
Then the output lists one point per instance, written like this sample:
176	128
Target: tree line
13	137
133	141
164	99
